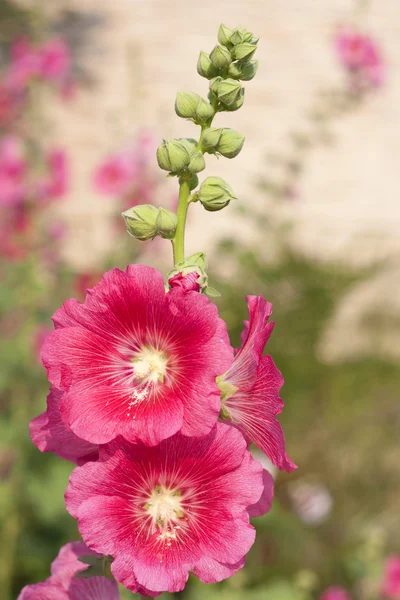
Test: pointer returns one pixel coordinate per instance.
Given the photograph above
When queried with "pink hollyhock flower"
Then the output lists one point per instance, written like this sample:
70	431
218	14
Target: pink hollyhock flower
49	434
24	65
9	105
335	593
13	168
163	511
62	584
391	578
135	361
55	60
250	388
188	283
361	56
115	176
55	183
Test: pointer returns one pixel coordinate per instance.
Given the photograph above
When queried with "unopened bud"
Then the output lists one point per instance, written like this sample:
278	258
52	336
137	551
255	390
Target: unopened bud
166	223
228	90
215	193
197	162
227	142
224	36
241	35
244	71
220	57
189	105
205	68
173	156
141	221
244	51
237	104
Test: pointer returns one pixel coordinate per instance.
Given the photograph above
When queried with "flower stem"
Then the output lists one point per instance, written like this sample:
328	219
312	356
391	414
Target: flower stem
178	243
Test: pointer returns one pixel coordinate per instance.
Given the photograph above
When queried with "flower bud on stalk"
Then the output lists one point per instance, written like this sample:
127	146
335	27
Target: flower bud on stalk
215	194
235	105
228	91
205	68
243	70
227	142
224	36
173	156
244	51
166	223
220	57
189	105
141	221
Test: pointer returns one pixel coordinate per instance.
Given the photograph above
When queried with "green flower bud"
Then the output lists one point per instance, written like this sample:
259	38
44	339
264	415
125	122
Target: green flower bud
215	193
197	162
220	57
186	104
227	142
205	68
204	112
228	90
173	155
243	70
237	104
224	36
166	223
244	51
141	221
189	105
241	35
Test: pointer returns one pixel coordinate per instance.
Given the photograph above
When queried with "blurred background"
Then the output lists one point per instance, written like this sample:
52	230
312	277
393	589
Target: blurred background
86	94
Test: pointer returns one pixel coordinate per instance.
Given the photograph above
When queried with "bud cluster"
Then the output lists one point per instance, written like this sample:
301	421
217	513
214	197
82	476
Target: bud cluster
145	222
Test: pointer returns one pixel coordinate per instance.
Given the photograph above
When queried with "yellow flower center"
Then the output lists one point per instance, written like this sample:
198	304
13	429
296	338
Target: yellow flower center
149	365
165	508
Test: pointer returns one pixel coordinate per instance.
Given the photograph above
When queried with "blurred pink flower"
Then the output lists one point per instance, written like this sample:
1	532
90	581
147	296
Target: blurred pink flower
55	183
335	593
8	105
24	64
360	54
39	338
115	175
391	578
55	60
12	171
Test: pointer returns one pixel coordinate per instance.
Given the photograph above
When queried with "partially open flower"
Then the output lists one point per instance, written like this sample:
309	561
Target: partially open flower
250	388
180	506
135	361
62	584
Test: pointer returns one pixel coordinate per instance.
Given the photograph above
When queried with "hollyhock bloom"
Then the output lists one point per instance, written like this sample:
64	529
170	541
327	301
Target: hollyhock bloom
55	60
62	584
335	593
55	183
9	105
49	434
250	388
391	578
163	511
13	168
361	56
115	176
135	361
24	65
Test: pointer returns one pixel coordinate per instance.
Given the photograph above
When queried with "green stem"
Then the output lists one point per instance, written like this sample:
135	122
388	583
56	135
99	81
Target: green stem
178	243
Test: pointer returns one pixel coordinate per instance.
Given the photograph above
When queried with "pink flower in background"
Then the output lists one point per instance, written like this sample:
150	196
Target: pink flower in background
114	177
49	434
9	105
24	65
13	169
55	183
391	578
62	584
360	54
39	338
166	510
135	361
335	593
311	501
55	60
250	388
